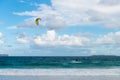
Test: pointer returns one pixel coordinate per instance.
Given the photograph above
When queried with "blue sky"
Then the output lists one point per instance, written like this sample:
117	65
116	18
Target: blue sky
67	28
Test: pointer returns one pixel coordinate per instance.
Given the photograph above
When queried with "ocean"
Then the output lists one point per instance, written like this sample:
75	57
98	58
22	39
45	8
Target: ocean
60	62
60	68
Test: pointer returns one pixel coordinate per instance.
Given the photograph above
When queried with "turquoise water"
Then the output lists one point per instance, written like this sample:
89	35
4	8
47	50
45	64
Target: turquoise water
60	62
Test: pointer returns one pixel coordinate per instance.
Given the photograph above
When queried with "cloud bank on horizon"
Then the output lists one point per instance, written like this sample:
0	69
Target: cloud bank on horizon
69	14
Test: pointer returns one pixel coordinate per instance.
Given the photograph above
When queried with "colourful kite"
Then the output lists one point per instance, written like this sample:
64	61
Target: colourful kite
37	21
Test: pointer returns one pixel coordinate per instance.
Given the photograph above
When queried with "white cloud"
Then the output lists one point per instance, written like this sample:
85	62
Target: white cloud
1	42
108	44
22	40
52	39
110	38
12	27
28	23
105	44
1	35
63	13
50	18
110	2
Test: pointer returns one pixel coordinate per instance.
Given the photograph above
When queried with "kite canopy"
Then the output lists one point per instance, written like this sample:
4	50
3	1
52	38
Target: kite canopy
37	21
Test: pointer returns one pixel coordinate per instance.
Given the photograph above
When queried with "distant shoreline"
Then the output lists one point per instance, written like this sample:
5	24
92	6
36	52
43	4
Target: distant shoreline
64	56
4	55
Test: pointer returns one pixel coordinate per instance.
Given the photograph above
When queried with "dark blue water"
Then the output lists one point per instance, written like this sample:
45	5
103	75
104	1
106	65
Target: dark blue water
60	62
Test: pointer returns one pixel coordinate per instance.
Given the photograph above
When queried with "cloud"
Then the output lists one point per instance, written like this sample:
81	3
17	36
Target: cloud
110	38
52	39
28	23
50	19
109	2
50	42
1	42
23	38
1	35
64	13
59	50
12	27
108	44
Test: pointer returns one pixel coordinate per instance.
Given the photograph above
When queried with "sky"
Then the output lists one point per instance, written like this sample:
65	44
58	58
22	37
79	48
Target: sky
67	28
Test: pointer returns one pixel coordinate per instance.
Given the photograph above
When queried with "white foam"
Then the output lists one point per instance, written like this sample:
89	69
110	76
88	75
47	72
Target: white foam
53	72
76	61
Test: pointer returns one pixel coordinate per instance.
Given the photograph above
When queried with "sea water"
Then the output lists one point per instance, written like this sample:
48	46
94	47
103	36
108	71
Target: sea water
60	62
60	66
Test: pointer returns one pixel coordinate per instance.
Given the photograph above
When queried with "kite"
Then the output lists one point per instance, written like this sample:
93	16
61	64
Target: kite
37	21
